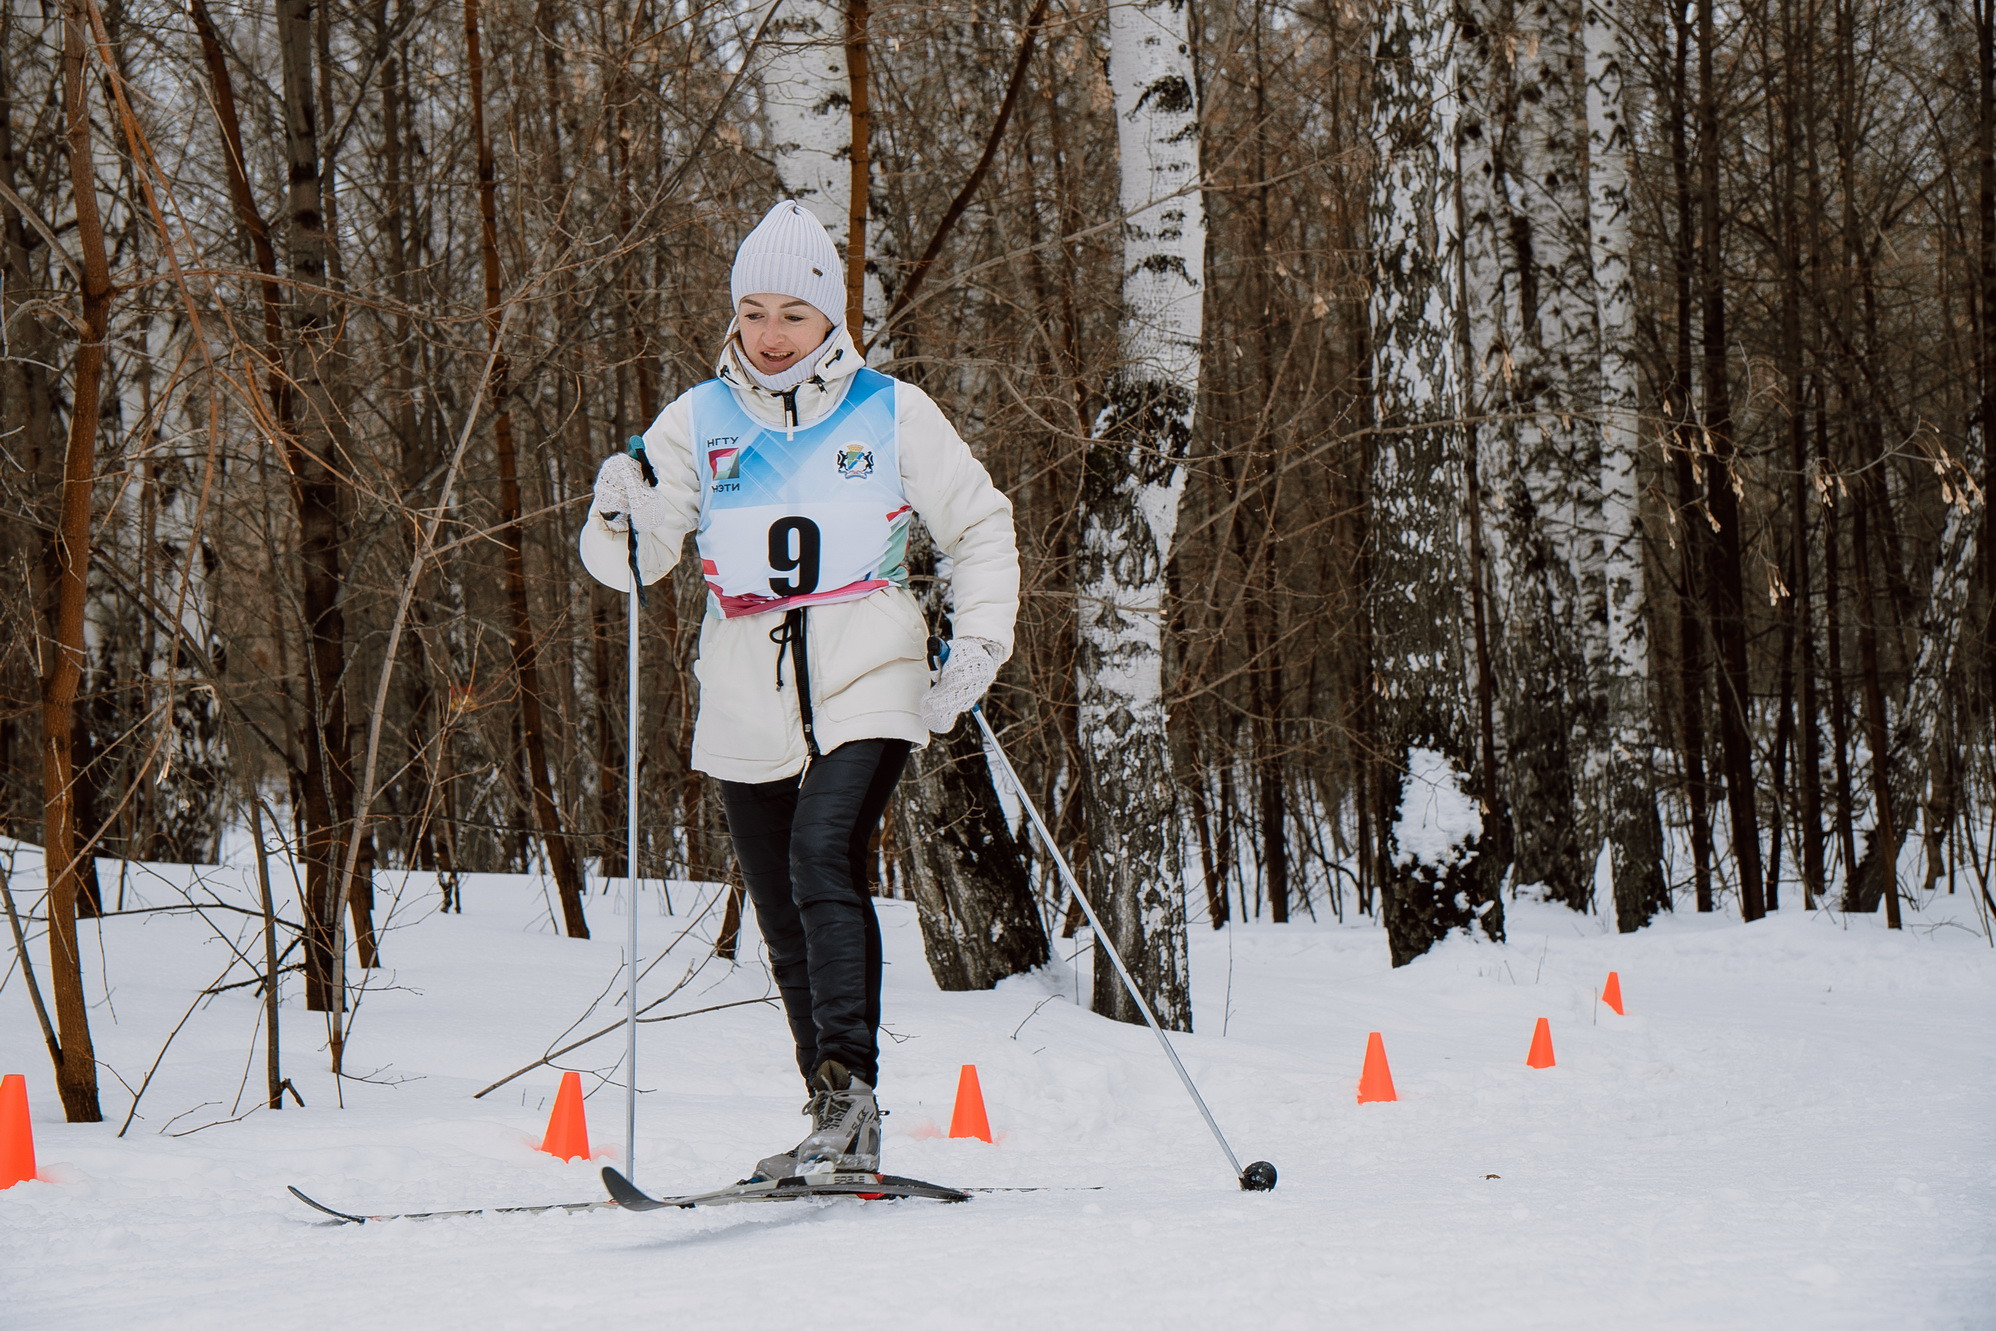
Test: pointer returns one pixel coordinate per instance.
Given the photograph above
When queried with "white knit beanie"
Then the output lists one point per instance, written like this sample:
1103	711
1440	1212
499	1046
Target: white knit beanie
790	254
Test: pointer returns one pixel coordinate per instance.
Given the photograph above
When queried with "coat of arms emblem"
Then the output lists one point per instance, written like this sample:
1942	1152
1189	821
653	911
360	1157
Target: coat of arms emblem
855	462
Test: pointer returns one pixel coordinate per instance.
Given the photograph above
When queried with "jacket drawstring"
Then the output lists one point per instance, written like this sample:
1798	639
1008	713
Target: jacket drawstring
789	635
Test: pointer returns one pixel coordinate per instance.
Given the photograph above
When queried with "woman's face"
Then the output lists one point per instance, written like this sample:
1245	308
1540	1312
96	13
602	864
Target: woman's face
779	331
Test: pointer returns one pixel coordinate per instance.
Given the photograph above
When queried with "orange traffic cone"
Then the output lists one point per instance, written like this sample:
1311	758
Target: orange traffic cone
1541	1055
17	1135
969	1119
1375	1082
1611	993
568	1128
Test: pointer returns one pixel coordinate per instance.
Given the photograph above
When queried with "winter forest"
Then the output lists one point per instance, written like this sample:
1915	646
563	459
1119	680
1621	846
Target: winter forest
1472	461
1462	453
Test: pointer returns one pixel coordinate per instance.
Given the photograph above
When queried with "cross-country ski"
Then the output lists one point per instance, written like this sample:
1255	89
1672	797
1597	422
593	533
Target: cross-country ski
357	1218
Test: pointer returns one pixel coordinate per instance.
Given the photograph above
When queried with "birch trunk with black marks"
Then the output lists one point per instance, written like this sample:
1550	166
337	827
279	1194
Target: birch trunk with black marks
1627	784
1133	478
1429	884
807	96
1916	716
1529	301
148	727
1479	338
807	101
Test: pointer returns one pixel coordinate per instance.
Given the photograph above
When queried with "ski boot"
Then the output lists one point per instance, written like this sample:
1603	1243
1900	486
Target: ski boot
845	1130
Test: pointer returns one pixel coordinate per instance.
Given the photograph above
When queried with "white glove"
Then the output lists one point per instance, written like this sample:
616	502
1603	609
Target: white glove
972	665
621	493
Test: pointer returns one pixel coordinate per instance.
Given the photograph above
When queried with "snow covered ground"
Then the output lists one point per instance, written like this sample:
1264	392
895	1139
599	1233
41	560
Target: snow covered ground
1795	1126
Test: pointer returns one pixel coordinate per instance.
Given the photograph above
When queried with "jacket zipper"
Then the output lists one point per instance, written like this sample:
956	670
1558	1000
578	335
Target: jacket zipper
790	633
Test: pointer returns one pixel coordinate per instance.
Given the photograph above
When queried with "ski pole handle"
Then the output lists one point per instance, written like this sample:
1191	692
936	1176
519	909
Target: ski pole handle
636	448
938	658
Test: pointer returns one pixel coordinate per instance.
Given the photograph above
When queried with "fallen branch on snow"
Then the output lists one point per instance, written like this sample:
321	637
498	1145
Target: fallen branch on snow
546	1059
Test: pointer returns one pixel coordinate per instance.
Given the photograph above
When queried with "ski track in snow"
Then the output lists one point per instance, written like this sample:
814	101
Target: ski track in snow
1794	1127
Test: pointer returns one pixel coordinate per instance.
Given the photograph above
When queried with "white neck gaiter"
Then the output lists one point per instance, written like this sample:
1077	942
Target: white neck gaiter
790	378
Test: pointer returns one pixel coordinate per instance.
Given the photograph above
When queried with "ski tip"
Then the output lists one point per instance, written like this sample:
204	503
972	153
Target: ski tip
624	1192
321	1206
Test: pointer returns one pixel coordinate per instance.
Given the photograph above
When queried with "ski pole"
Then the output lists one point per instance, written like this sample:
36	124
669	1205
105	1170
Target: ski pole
636	601
1257	1177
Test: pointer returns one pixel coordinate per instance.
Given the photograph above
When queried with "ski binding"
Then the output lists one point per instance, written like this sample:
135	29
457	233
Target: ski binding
868	1187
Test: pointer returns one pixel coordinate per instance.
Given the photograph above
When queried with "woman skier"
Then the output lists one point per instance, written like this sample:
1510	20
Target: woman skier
800	469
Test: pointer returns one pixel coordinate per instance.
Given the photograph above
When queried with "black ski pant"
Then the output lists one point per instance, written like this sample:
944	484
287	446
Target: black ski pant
802	845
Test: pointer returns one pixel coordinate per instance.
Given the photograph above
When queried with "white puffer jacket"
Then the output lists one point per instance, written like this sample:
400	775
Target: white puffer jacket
868	658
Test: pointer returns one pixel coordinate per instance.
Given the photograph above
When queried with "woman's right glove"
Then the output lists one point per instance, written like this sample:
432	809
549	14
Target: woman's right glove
972	665
622	495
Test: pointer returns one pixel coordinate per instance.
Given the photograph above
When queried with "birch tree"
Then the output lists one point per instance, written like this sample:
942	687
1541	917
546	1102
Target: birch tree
808	100
141	682
1433	873
1634	831
1917	713
1134	477
804	96
1529	303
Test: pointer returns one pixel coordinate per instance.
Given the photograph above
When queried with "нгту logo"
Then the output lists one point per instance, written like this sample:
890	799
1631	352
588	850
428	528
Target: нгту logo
855	462
725	463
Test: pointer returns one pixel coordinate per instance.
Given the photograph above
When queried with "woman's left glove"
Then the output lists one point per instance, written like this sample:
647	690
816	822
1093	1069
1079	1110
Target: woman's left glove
621	490
972	665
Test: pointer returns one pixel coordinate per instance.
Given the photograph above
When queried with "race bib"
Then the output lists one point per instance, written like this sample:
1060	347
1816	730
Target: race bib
803	517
